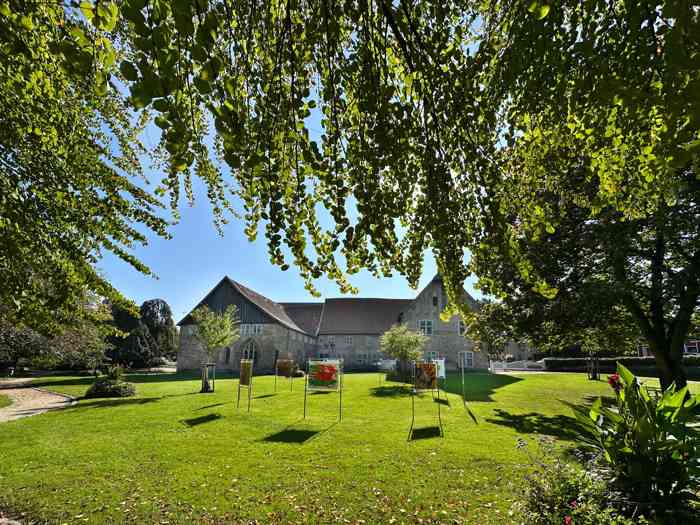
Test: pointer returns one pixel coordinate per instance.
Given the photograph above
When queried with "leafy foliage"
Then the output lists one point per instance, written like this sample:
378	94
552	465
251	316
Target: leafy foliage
158	318
558	492
403	344
69	161
215	330
651	447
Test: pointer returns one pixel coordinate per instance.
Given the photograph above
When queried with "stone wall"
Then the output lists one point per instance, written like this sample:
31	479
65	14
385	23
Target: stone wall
275	340
446	340
357	351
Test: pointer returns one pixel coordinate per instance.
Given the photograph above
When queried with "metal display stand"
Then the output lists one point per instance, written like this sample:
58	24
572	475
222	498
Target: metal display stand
338	388
249	385
414	392
292	369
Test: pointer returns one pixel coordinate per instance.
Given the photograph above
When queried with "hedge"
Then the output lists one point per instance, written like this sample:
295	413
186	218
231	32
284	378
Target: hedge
643	366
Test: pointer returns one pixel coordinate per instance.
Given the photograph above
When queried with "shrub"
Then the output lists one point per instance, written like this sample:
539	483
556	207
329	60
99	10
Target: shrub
104	387
112	385
557	492
650	448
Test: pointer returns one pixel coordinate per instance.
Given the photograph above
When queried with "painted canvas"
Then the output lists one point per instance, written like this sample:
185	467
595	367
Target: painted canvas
426	376
441	373
324	375
285	367
246	371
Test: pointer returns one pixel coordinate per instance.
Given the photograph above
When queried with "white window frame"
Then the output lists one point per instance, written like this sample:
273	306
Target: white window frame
430	355
248	351
425	326
362	358
463	361
462	327
348	340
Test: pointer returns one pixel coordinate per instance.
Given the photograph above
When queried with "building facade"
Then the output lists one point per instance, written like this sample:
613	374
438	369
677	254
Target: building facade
347	328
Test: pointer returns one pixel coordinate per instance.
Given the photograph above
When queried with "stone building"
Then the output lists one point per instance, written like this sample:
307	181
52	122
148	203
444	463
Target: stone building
345	327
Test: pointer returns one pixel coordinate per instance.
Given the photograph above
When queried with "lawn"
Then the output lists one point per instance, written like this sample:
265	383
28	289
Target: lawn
5	401
173	455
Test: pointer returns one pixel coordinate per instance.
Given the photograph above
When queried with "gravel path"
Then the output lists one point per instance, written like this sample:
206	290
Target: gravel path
28	401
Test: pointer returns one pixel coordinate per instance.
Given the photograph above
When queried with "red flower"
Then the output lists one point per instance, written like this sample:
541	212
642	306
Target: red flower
614	382
568	520
573	504
326	373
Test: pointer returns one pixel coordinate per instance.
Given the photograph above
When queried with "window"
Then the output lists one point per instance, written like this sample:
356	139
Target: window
425	326
248	351
330	341
323	355
348	340
435	300
462	327
692	346
249	329
430	355
466	359
228	355
362	359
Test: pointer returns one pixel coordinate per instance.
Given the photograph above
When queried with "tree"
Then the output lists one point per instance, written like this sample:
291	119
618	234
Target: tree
403	344
488	326
70	175
214	331
18	343
158	318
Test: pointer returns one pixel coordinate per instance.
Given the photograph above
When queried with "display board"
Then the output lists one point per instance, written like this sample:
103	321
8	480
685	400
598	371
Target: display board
441	372
285	367
324	375
246	371
425	375
245	380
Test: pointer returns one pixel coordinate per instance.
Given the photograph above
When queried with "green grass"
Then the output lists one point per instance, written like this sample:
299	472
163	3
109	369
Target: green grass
5	401
174	455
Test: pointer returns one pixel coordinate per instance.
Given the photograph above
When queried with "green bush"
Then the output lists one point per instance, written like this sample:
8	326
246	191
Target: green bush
106	387
557	492
650	448
642	366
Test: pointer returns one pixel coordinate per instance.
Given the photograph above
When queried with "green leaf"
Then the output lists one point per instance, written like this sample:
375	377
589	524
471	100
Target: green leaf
543	11
626	376
129	71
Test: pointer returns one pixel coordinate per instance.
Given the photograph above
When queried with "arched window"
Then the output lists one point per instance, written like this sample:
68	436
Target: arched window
249	351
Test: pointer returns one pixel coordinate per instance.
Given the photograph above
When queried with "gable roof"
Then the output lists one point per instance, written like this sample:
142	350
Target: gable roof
268	306
307	316
355	316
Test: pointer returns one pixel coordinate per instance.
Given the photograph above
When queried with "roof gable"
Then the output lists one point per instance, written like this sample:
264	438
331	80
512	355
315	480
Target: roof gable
361	316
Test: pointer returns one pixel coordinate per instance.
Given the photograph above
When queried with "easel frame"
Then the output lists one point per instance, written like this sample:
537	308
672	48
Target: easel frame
414	393
339	389
249	386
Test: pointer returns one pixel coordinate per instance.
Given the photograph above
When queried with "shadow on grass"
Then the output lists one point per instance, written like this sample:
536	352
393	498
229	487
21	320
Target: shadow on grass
214	405
478	386
193	422
563	427
391	391
425	433
442	401
92	402
291	435
264	396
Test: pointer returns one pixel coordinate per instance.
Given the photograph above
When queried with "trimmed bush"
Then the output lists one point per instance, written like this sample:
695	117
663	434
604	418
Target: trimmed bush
106	387
641	366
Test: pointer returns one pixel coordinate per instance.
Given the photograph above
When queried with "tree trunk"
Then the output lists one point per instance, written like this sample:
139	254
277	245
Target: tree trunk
669	363
206	387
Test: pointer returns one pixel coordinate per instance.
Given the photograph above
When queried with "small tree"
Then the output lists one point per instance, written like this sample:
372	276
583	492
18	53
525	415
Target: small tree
403	344
214	330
